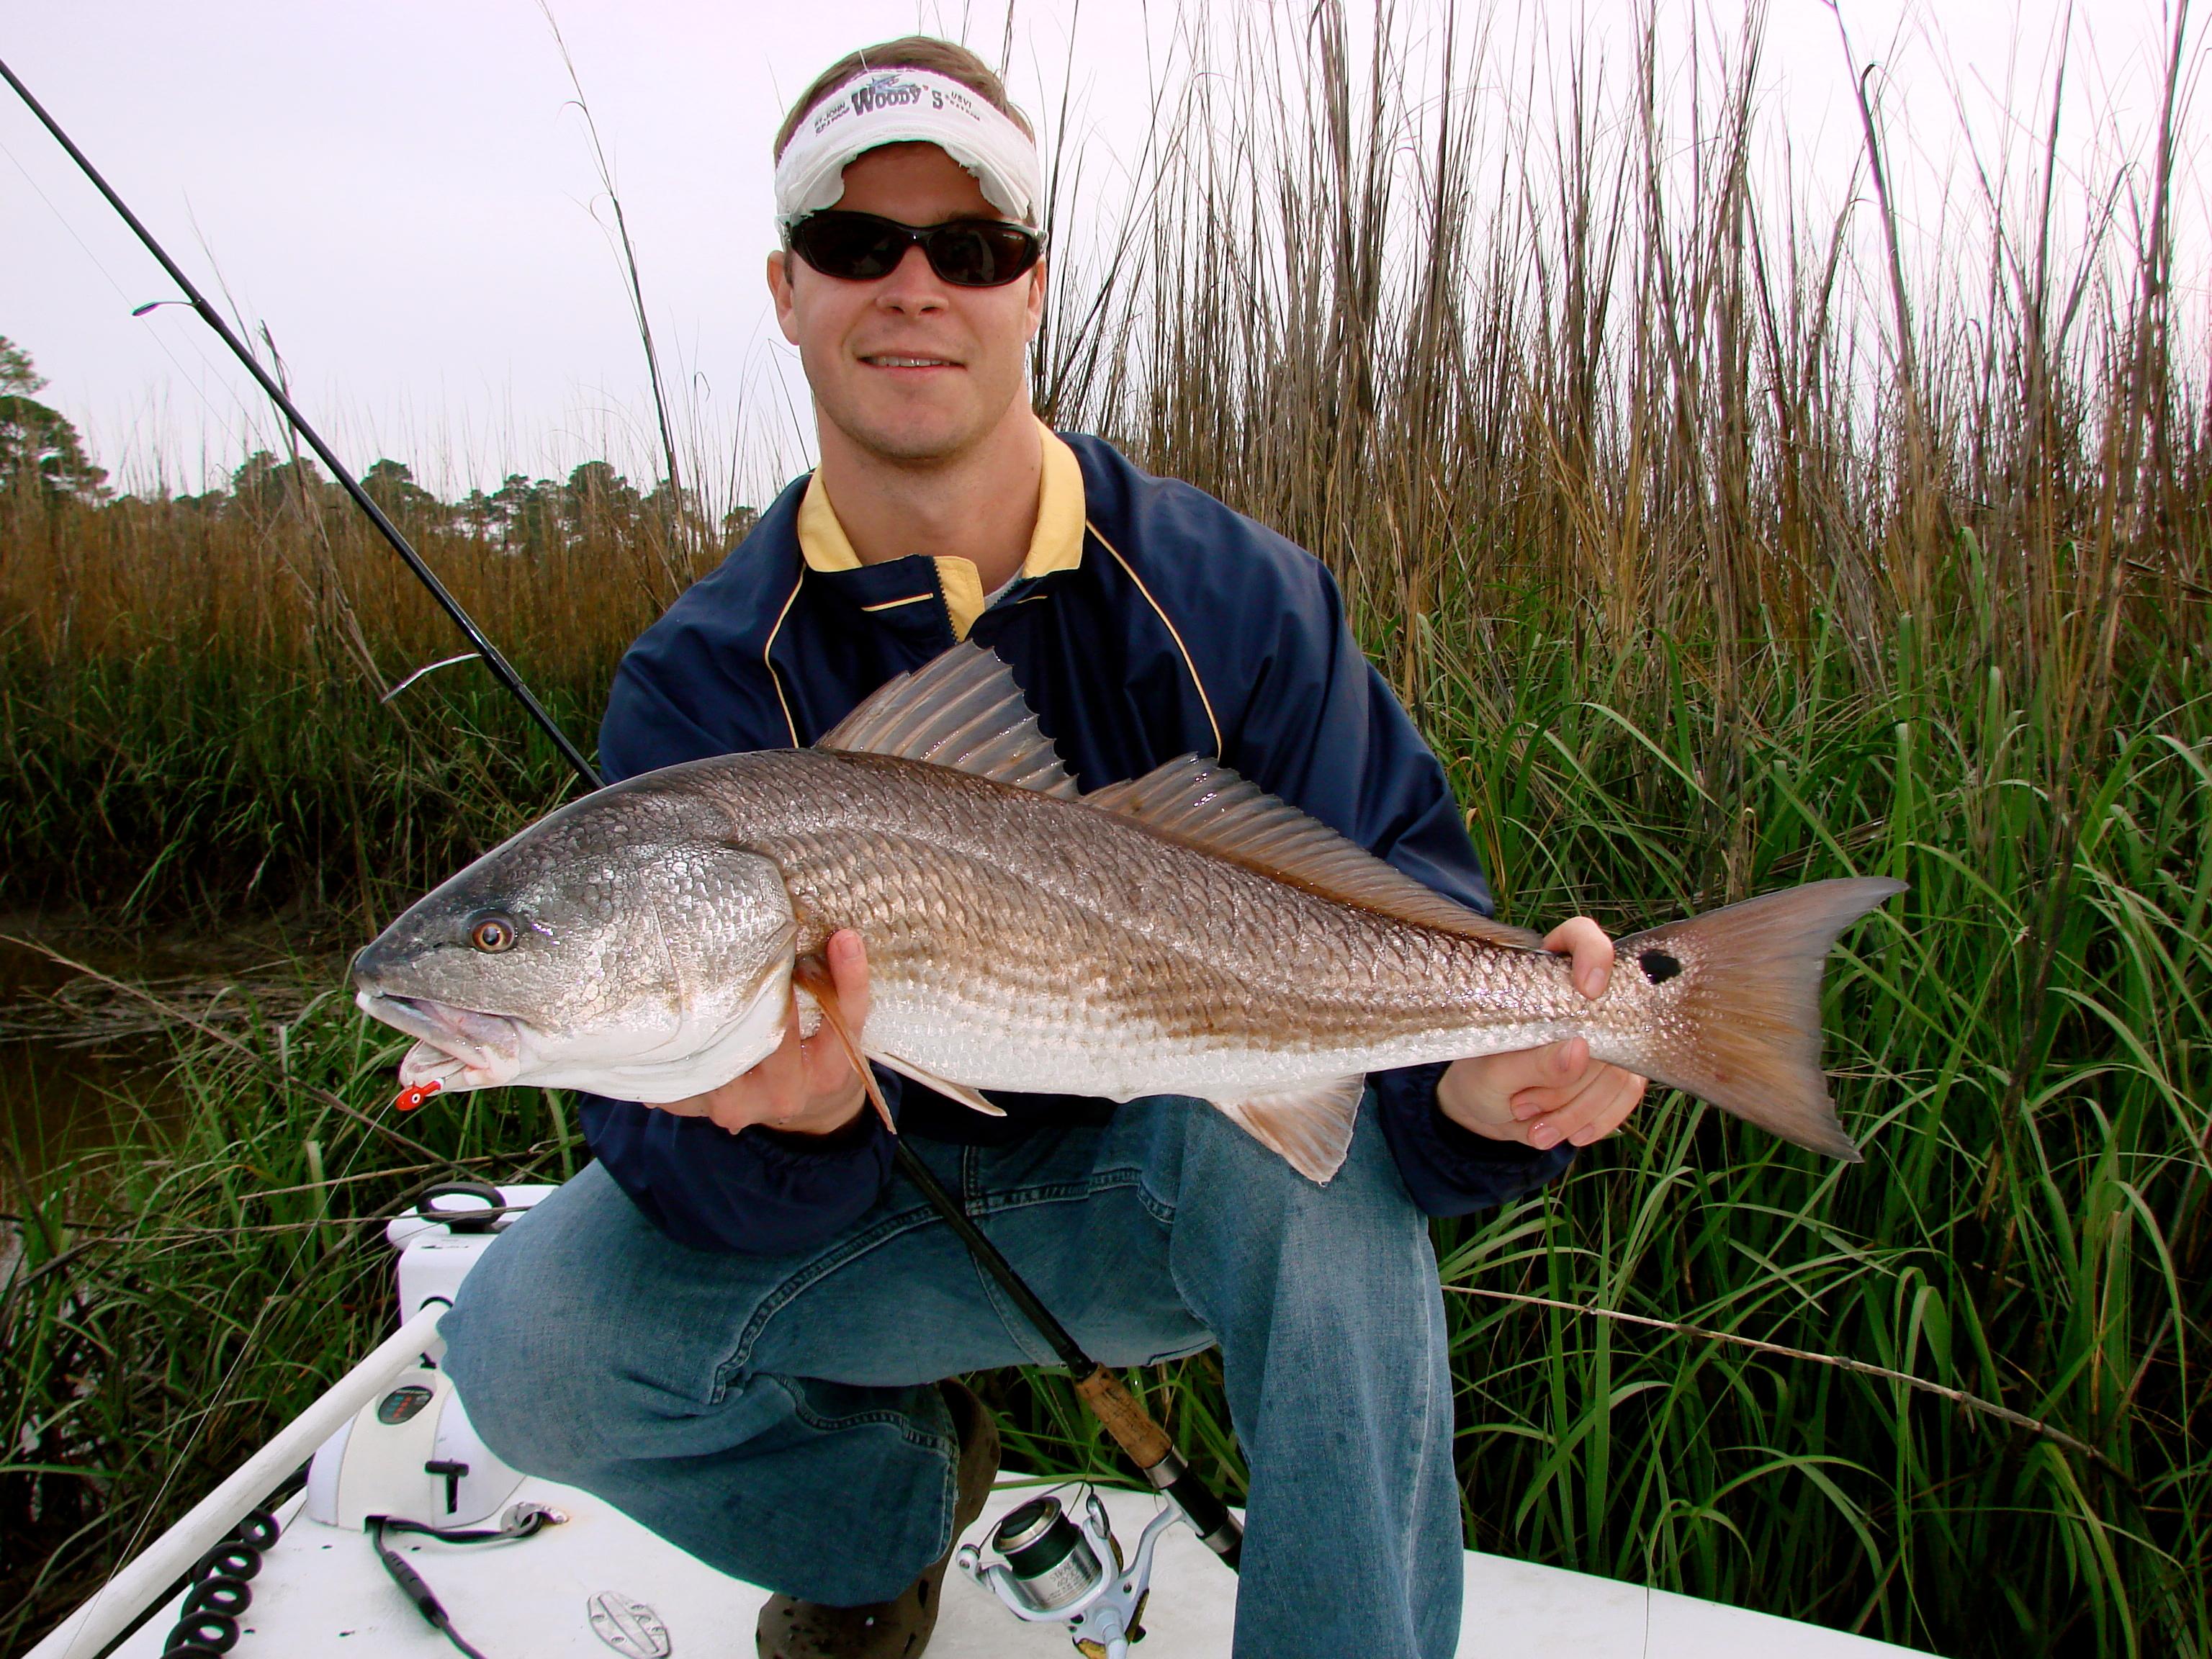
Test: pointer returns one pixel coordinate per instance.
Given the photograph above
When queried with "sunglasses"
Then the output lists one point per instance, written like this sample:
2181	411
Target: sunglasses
859	247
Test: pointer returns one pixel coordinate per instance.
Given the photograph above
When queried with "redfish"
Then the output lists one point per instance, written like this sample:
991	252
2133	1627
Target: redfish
1180	934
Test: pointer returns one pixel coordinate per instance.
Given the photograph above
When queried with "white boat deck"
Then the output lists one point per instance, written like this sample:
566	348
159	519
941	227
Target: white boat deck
321	1595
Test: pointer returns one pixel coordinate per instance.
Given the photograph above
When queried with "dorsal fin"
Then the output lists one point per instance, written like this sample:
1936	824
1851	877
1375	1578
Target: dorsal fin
1209	805
961	709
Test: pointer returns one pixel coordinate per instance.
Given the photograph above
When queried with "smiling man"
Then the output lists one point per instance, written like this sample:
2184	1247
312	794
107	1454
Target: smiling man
737	1325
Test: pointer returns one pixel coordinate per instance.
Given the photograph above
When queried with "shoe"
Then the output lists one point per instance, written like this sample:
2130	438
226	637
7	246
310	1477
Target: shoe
899	1628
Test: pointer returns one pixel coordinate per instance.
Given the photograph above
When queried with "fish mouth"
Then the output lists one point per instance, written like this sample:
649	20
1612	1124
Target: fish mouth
455	1047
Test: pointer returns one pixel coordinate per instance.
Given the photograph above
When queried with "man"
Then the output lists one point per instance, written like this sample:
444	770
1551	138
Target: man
735	1324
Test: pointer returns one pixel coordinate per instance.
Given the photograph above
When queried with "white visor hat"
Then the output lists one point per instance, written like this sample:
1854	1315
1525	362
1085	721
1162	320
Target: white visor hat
907	107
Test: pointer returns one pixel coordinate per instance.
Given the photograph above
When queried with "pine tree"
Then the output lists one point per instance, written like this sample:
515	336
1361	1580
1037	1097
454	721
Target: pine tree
40	450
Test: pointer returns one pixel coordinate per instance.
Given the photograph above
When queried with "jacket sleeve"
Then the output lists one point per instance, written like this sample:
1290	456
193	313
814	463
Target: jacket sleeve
1315	723
759	1190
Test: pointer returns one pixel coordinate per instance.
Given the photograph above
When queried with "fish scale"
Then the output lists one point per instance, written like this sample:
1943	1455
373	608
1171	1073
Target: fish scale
1023	931
1181	933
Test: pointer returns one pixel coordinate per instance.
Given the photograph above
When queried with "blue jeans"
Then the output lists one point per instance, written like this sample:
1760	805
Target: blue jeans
774	1416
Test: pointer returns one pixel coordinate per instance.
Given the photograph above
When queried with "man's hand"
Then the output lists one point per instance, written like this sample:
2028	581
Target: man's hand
806	1087
1542	1097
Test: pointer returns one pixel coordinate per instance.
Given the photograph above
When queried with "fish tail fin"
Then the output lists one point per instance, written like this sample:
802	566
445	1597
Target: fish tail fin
1747	1035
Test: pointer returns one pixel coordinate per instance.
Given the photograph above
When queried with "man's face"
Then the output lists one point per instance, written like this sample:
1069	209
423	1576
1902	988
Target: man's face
909	367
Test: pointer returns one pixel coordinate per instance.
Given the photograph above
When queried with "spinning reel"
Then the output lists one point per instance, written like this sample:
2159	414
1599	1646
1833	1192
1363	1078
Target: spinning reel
1056	1567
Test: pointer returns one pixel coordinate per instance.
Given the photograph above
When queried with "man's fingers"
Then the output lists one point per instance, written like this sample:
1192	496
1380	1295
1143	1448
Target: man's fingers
1580	937
1598	1109
1569	1071
1541	1079
1603	1110
1554	1076
829	1066
847	954
792	1079
1614	1117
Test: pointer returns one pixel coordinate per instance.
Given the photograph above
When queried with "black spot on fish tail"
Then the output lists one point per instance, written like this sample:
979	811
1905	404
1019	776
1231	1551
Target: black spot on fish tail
1743	1031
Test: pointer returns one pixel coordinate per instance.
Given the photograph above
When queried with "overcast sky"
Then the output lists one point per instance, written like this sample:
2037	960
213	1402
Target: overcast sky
400	190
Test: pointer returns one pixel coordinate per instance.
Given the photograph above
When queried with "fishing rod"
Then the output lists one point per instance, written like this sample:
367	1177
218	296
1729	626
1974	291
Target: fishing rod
502	670
1118	1411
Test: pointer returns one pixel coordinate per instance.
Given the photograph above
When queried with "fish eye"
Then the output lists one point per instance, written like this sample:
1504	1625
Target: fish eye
492	934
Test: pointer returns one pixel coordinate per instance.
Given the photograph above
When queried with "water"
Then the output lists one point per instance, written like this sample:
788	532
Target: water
83	1066
57	1100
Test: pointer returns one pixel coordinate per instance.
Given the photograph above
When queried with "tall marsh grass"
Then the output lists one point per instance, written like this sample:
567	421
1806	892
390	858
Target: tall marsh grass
190	696
1716	546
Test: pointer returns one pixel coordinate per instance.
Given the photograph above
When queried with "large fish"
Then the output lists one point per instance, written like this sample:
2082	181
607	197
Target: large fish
1180	934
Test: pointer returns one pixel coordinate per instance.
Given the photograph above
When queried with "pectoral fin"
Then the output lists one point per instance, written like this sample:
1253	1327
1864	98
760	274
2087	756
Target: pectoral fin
959	1091
1309	1124
812	975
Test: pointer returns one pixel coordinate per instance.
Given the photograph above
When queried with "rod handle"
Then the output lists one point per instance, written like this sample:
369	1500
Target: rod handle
1149	1448
1129	1423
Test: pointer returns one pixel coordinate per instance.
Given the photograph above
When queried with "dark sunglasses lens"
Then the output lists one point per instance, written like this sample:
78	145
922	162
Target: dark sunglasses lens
859	247
979	255
851	246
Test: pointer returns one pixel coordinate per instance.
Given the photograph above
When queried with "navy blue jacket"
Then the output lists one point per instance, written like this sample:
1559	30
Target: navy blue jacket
1182	627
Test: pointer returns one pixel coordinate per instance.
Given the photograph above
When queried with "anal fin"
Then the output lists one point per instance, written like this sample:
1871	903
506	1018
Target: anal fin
1309	1124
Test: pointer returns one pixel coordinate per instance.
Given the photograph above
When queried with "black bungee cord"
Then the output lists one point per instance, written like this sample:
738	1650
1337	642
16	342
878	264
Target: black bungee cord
1124	1417
219	1588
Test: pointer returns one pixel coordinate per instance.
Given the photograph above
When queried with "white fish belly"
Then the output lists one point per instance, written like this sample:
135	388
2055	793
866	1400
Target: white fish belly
989	1042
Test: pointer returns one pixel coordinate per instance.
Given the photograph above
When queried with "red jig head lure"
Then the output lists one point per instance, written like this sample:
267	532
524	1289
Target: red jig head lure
415	1094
